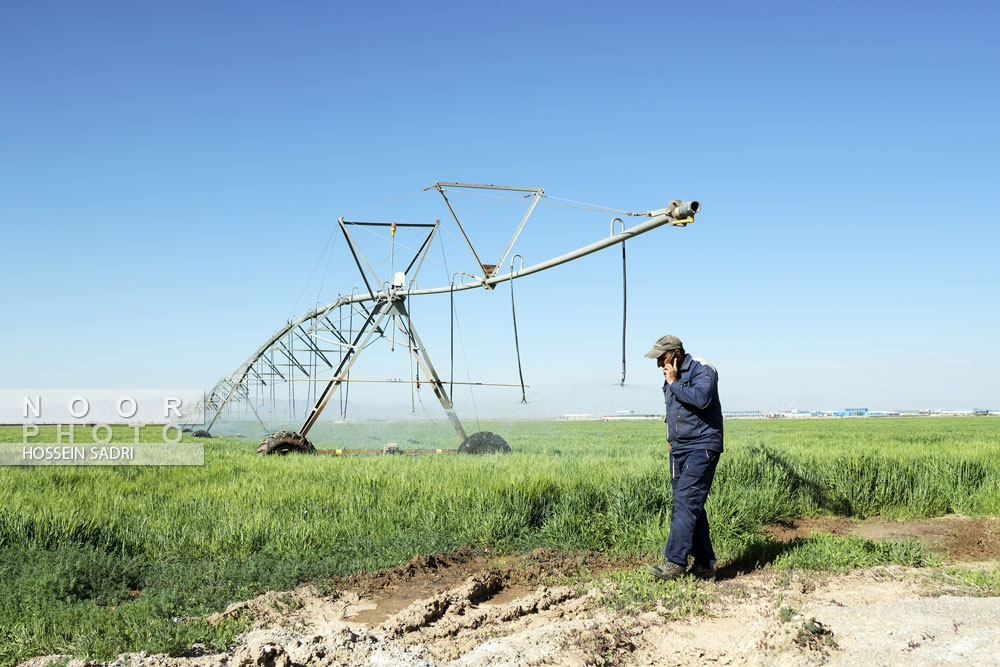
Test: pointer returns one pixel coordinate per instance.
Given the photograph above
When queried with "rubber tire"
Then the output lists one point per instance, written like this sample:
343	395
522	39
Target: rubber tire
201	434
284	442
484	442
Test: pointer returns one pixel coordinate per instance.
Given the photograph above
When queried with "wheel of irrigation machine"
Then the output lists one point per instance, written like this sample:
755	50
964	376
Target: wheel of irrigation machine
484	442
284	442
202	433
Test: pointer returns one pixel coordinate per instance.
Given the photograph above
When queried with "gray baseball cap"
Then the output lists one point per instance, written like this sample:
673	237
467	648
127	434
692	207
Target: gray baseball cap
665	344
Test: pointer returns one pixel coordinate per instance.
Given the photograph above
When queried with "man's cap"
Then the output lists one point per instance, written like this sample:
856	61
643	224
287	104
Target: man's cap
665	344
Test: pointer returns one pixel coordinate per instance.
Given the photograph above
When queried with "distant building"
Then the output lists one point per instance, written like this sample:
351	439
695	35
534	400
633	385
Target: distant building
742	414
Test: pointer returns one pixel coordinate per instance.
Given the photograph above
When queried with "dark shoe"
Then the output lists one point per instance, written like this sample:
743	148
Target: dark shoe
706	573
668	571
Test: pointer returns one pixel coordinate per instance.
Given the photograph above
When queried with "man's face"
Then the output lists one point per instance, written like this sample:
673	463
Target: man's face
665	358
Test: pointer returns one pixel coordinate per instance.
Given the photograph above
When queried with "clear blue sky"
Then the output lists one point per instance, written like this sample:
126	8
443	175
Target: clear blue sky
171	173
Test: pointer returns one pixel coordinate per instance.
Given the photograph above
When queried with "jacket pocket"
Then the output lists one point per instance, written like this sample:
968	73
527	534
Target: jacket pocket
687	424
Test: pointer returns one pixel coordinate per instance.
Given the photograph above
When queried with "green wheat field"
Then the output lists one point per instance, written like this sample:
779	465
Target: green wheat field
79	543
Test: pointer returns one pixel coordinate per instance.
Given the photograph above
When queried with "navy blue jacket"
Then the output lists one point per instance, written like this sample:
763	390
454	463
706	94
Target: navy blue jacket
694	415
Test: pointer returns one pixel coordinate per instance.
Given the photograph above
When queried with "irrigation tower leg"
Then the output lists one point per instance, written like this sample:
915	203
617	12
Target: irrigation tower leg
425	363
381	311
378	313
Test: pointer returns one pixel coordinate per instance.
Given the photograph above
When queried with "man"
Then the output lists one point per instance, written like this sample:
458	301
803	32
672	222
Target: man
694	438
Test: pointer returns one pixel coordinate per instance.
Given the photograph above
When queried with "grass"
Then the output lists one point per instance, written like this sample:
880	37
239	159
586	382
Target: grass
973	582
823	551
77	544
634	591
815	635
842	554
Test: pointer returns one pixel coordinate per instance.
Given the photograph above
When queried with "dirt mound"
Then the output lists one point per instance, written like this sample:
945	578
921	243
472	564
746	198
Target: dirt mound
295	609
456	601
284	648
391	590
871	616
881	615
448	604
434	570
423	566
474	607
959	536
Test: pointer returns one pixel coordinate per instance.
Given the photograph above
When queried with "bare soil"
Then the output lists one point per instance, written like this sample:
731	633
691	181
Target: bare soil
961	537
474	607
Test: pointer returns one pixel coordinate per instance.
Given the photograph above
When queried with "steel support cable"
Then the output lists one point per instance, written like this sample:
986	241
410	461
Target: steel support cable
464	248
488	196
513	315
313	273
451	312
274	370
340	361
580	208
310	393
505	202
451	293
347	375
592	207
326	270
583	206
413	404
451	341
409	344
392	260
291	388
403	245
468	376
409	316
387	201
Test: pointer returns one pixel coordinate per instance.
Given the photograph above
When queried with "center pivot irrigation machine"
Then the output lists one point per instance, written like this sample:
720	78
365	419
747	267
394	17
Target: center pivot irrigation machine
326	339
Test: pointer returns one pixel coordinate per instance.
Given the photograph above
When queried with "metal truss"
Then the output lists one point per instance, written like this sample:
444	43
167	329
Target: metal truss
310	358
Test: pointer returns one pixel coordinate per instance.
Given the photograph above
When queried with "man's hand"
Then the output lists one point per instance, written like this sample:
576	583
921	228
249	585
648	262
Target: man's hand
671	369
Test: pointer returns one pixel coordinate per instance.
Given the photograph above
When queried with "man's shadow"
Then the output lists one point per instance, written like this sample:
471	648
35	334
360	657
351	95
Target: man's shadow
758	554
836	505
762	550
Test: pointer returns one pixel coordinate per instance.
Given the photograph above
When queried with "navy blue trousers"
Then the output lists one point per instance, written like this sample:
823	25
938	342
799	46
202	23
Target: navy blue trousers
691	475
